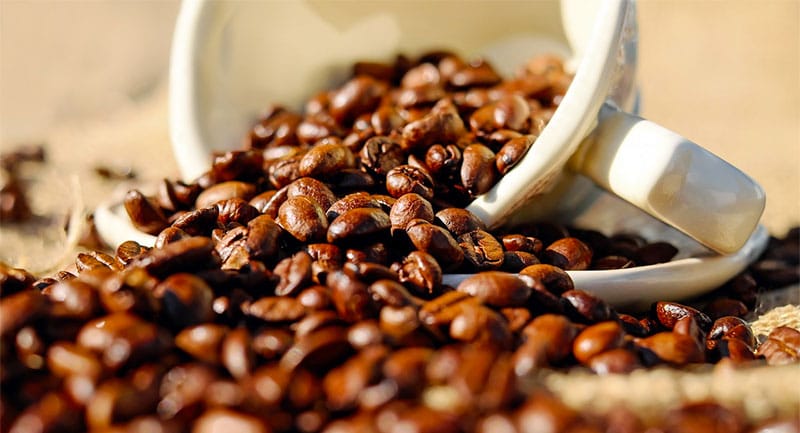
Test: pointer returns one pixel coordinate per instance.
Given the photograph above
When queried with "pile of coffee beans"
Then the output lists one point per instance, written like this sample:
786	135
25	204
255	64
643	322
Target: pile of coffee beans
298	285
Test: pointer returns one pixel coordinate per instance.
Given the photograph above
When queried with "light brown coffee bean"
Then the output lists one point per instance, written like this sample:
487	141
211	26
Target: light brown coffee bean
512	153
224	191
204	341
435	241
597	339
568	253
303	219
144	213
478	170
498	289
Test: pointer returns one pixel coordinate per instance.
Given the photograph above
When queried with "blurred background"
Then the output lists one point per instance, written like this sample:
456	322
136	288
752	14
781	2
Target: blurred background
88	80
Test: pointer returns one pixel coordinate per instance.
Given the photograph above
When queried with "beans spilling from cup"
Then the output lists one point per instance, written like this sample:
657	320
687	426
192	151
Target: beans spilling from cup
298	285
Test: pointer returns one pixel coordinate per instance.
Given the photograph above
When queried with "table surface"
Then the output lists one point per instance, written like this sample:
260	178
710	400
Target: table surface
723	73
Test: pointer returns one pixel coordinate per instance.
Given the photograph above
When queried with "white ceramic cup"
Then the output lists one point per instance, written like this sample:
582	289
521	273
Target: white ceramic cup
230	59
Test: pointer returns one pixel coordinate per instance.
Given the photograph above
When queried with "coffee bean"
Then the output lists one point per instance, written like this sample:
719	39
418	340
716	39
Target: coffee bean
66	359
478	170
673	348
704	417
224	191
435	241
587	307
552	333
568	253
781	347
121	339
235	211
263	234
381	154
405	179
325	160
187	300
721	307
443	126
512	152
481	250
317	350
614	361
668	313
422	271
268	202
497	289
656	252
144	213
13	280
351	201
350	297
357	96
444	308
303	219
215	418
128	251
597	339
408	207
459	221
443	161
358	224
204	342
344	384
275	309
183	255
365	333
20	309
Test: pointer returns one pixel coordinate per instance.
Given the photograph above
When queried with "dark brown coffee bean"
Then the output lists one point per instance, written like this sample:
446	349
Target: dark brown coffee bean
781	347
351	201
144	213
442	126
498	289
481	325
344	384
316	321
224	191
554	334
422	271
311	188
515	261
359	95
408	207
73	299
318	127
315	298
215	418
13	280
235	211
673	348
390	292
405	179
444	308
317	350
721	307
614	361
568	253
589	308
443	161
459	221
303	219
325	160
169	235
597	339
187	300
237	353
381	154
735	350
350	296
66	359
481	250
275	129
385	120
128	251
275	309
400	324
269	202
20	309
121	339
365	333
86	262
182	255
631	325
263	234
656	252
512	152
204	342
668	313
358	224
730	326
478	170
271	343
294	273
435	241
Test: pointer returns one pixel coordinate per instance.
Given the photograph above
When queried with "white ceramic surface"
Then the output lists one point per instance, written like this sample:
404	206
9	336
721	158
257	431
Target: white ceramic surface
230	59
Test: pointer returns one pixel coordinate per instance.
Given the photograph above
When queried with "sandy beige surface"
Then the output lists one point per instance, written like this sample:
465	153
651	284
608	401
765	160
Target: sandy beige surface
723	73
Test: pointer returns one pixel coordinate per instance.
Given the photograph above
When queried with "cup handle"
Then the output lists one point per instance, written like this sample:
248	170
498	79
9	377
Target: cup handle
672	179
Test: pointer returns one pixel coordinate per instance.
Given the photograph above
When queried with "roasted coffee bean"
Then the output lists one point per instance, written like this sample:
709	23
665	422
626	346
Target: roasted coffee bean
440	126
30	348
169	235
497	289
316	321
614	361
235	211
568	253
668	313
13	280
358	224
459	221
408	207
730	327
422	271
314	298
344	384
351	201
204	341
263	234
182	255
405	179
515	261
294	273
311	188
435	241
444	308
224	191
673	348
385	120
237	353
121	339
478	170
612	262
144	213
350	296
480	325
589	308
359	95
543	412
721	307
272	343
381	154
443	161
781	347
269	202
303	219
481	250
325	160
20	309
390	292
272	309
553	334
365	333
317	350
656	252
187	300
215	418
128	251
66	359
399	323
73	299
597	339
512	152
